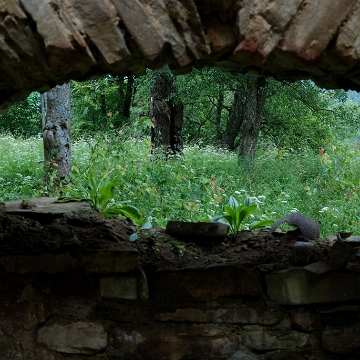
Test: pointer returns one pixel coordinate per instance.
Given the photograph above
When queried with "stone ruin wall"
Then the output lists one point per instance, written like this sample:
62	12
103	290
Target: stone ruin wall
102	305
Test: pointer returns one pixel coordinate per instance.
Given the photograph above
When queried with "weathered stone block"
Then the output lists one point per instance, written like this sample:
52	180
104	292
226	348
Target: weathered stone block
118	287
81	337
297	287
258	338
242	315
205	284
243	354
168	342
341	340
304	320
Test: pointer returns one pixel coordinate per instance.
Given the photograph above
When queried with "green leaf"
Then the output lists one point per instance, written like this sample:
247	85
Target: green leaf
128	211
146	226
133	237
204	220
230	211
260	224
216	218
244	213
233	203
238	216
247	201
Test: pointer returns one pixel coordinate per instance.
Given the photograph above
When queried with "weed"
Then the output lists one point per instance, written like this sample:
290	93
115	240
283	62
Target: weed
177	248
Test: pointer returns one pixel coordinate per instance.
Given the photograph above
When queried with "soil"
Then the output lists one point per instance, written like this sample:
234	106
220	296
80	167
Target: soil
41	226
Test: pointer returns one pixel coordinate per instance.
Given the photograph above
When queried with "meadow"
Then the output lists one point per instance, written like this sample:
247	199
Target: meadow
197	184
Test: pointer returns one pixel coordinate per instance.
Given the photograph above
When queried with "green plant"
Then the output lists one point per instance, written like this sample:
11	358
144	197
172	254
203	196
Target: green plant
100	194
177	248
235	215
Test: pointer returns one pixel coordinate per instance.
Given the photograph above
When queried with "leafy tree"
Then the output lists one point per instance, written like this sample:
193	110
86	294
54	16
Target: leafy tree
24	118
301	115
103	103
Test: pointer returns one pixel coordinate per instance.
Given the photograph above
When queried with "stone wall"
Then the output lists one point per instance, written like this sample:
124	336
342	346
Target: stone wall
104	306
49	42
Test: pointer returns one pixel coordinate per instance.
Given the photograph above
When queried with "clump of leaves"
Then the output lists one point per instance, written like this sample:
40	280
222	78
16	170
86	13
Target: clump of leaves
177	248
100	195
235	215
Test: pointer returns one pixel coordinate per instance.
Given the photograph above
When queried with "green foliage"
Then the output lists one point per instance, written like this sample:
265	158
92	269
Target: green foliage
177	248
198	184
235	215
300	115
100	194
24	118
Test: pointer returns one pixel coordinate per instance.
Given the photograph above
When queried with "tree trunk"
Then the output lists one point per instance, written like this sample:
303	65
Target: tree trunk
236	118
56	134
219	108
128	96
255	100
103	104
177	113
166	115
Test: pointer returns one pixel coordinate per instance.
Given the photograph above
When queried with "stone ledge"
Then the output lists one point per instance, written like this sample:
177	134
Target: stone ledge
94	262
299	287
205	284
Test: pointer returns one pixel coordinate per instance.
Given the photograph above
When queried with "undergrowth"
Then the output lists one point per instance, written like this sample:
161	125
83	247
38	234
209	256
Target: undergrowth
198	183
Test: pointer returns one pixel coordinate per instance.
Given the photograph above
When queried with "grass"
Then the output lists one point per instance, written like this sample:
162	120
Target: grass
199	183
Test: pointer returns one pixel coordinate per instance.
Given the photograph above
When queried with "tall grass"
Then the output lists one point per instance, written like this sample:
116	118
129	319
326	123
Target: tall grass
198	183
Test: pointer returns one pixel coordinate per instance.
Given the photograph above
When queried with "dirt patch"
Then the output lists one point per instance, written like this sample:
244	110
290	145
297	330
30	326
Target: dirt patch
42	226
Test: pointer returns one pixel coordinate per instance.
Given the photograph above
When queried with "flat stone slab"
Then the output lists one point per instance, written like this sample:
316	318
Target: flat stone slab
42	226
204	284
300	287
44	207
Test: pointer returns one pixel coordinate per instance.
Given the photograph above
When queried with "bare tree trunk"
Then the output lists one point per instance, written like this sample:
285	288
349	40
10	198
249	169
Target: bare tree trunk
177	114
219	108
255	100
166	115
43	119
56	134
236	118
103	104
128	96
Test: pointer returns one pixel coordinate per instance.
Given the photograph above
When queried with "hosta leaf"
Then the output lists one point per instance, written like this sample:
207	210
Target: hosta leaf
233	203
133	237
244	213
230	211
260	224
146	226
